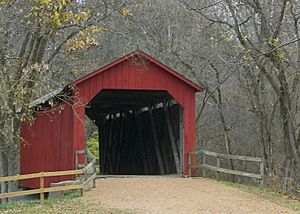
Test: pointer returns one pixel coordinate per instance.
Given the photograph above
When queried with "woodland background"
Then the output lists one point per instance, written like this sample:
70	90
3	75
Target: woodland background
244	53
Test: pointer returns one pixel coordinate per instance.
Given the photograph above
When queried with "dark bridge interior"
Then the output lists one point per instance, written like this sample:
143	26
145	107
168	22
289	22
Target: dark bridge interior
140	132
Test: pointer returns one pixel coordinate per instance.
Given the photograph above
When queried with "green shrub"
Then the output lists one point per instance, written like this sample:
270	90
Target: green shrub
93	144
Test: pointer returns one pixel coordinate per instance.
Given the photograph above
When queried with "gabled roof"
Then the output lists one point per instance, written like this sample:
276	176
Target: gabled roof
56	92
146	56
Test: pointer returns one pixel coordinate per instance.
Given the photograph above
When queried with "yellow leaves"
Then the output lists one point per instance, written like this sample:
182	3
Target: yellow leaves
81	16
245	37
57	19
68	17
63	3
44	2
83	40
81	33
246	60
125	11
6	2
81	43
55	13
226	37
281	58
280	55
95	29
273	42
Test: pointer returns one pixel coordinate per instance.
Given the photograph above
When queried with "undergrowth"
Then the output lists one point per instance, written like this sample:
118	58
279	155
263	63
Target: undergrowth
271	195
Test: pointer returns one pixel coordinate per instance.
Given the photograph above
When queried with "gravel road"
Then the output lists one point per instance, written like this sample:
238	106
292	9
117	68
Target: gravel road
177	195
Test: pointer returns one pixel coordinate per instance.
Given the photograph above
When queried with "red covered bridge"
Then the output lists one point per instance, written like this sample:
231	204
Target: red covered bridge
144	111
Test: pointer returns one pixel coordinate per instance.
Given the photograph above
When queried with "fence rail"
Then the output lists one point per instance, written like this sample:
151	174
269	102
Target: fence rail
42	190
218	167
88	171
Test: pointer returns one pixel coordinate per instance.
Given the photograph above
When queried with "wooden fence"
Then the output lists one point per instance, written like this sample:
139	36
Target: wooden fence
218	167
88	174
42	190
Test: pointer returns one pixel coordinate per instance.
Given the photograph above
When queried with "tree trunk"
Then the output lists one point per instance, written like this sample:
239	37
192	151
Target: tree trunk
3	172
225	127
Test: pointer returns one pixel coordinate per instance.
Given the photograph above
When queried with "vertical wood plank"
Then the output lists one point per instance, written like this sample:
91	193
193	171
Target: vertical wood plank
76	160
189	164
172	138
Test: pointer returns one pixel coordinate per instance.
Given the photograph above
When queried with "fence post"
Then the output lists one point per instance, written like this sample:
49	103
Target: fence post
204	163
261	165
42	186
95	172
190	164
218	165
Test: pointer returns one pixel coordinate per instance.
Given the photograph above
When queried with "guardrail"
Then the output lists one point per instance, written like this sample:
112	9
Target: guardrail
42	190
88	171
218	167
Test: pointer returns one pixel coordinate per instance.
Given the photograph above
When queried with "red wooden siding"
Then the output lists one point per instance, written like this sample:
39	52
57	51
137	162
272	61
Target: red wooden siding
54	139
48	146
139	75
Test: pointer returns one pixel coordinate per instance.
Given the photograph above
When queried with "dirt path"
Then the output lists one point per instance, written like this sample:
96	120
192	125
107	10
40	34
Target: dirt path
177	195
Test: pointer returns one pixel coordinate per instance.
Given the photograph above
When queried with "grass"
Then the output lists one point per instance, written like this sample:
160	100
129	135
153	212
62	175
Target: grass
70	204
269	194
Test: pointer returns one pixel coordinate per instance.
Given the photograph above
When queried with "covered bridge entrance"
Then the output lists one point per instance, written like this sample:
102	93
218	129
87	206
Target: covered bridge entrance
145	113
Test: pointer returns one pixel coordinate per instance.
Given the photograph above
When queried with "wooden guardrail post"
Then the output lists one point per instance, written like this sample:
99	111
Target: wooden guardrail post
190	164
82	181
95	172
218	165
42	187
261	166
218	169
204	163
41	176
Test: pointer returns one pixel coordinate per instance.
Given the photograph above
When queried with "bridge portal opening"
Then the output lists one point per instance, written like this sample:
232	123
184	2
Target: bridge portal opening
140	132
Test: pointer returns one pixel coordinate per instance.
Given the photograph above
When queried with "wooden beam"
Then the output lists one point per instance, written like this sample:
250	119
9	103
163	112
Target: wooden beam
115	143
37	191
228	171
39	174
172	139
120	144
105	144
109	147
141	142
181	139
128	148
101	141
234	157
156	142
